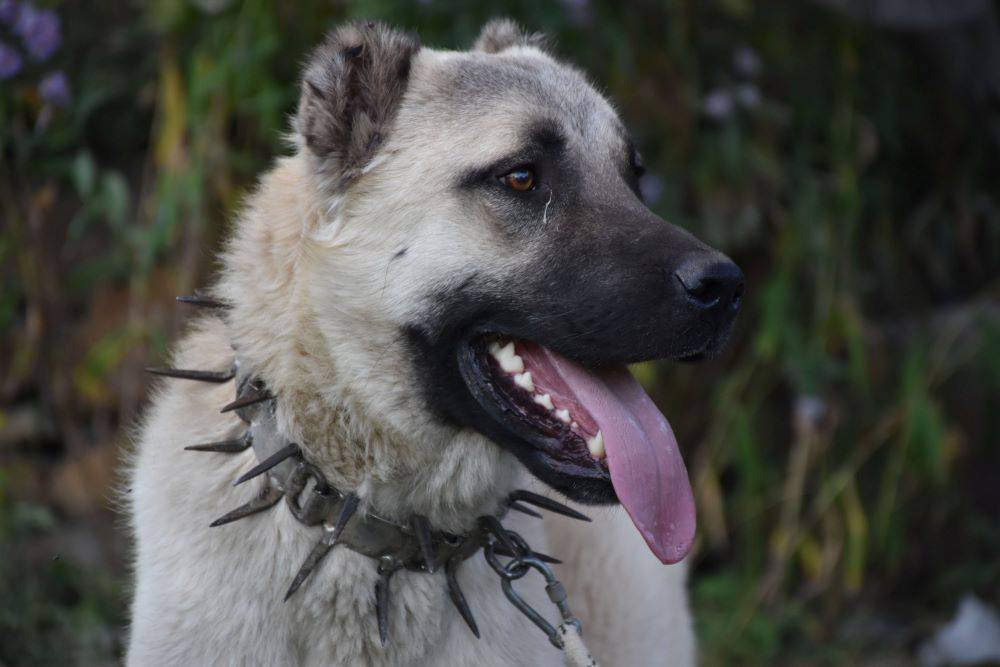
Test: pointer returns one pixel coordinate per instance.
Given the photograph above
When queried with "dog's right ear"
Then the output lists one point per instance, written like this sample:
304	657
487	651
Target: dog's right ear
501	34
351	89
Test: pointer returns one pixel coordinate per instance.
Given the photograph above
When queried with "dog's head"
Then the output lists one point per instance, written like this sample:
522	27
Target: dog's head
483	255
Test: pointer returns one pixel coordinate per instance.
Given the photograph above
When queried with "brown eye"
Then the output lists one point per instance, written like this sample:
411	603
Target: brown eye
521	180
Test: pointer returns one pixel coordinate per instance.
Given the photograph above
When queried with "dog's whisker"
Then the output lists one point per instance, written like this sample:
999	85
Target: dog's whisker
545	211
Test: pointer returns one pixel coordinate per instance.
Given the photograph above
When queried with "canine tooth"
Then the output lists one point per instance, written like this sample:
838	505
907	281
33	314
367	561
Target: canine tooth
596	446
563	416
507	358
574	425
544	400
524	381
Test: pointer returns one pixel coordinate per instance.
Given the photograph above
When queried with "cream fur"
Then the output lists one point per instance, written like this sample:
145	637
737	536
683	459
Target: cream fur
317	307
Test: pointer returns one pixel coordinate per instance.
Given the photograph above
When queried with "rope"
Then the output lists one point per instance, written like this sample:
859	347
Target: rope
575	650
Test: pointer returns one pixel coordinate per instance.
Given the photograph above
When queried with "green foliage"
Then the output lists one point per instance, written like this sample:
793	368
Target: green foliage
843	437
53	612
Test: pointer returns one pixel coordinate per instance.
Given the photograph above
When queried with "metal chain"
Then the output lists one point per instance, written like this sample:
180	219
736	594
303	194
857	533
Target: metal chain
523	561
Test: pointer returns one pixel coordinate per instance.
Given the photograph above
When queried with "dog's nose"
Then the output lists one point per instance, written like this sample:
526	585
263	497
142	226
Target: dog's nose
712	282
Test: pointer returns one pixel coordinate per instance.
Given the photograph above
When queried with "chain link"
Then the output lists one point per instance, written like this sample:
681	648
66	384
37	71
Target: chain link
523	561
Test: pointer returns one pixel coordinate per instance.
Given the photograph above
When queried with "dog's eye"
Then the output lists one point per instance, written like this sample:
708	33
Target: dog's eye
522	180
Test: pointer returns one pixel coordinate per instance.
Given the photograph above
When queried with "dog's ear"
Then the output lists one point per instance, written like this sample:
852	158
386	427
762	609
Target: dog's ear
501	34
351	89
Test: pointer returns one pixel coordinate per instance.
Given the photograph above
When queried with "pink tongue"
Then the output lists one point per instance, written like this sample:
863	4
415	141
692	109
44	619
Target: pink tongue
646	467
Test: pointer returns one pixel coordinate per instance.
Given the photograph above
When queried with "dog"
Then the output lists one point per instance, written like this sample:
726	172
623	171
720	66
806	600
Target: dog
430	305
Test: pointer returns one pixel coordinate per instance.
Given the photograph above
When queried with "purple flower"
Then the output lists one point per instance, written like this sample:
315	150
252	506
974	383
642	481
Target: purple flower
746	62
10	62
40	30
54	89
9	11
718	104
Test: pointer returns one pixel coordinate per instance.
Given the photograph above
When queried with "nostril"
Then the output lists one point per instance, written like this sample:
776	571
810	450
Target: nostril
702	291
737	299
711	284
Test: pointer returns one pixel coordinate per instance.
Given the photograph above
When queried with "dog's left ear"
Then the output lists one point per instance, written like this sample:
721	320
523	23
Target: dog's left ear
351	89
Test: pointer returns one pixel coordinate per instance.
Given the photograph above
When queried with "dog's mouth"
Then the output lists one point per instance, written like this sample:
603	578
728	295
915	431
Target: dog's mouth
592	428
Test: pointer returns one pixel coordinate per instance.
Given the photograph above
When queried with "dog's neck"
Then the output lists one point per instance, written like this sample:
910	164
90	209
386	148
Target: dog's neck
330	377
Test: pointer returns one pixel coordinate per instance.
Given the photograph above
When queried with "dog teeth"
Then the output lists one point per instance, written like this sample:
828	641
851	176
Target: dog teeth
524	381
596	446
509	361
544	400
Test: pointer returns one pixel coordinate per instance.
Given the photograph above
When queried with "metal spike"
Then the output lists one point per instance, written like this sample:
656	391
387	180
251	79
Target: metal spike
455	593
266	499
323	547
291	449
547	504
203	376
347	510
382	603
523	509
246	399
223	446
422	529
493	525
317	553
201	300
545	558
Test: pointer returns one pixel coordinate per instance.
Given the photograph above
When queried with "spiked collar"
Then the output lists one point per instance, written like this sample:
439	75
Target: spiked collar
413	545
314	501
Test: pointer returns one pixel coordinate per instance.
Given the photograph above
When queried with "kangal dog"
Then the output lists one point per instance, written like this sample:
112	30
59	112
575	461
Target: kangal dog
435	296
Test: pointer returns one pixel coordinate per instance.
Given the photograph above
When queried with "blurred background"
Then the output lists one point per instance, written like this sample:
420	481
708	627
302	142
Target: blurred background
846	153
